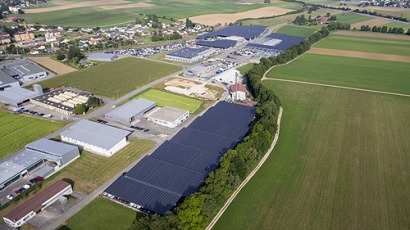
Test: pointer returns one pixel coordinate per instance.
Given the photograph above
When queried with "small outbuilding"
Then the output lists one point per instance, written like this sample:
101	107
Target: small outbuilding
131	111
238	92
102	57
168	116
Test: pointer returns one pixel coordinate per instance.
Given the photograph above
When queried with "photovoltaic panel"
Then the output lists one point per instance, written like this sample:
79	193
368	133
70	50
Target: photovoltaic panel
221	44
151	198
166	175
287	42
247	32
187	157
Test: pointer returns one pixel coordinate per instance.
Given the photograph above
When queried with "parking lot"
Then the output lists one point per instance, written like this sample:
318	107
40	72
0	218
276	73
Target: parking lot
11	190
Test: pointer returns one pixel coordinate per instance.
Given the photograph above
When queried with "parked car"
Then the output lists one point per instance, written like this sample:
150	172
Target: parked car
9	197
20	190
36	180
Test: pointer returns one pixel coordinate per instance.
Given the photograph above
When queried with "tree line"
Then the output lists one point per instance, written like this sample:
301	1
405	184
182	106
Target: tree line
384	29
374	13
199	209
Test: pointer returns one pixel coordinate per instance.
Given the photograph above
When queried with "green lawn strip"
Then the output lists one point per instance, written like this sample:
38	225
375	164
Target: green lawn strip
102	214
296	30
113	79
366	44
245	68
341	162
346	71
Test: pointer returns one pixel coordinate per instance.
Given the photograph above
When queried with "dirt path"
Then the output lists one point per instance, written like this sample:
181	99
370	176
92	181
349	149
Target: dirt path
229	201
55	66
356	54
372	35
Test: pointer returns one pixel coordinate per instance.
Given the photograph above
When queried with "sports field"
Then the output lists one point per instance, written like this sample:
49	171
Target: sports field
18	130
347	71
296	30
101	214
341	162
365	44
163	98
113	79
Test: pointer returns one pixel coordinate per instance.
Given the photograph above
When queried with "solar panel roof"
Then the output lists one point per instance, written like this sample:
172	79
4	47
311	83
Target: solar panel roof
247	32
221	44
188	52
287	42
166	175
187	157
149	197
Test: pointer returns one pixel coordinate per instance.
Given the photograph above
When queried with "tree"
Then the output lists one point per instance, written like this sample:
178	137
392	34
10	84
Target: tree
94	102
79	109
74	52
20	11
60	56
266	1
408	32
189	23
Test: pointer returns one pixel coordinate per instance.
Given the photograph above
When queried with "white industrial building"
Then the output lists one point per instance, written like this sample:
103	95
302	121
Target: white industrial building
131	111
36	204
24	70
237	92
228	77
103	57
15	95
95	137
168	116
190	55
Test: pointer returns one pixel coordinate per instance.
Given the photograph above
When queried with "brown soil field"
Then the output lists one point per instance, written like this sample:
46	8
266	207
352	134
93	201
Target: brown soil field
371	22
373	35
212	19
55	66
355	54
104	4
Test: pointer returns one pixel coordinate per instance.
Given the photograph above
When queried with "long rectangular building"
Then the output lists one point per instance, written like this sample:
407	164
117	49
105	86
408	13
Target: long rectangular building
131	110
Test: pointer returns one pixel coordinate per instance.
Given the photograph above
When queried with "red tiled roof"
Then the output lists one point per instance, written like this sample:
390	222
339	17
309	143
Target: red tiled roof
237	87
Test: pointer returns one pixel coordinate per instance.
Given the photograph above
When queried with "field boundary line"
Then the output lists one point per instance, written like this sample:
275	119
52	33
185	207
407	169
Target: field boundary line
249	177
339	87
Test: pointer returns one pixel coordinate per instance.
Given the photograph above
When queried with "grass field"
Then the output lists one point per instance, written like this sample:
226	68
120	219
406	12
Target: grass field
296	30
346	71
163	98
398	25
102	214
18	130
245	68
113	79
350	17
366	44
341	162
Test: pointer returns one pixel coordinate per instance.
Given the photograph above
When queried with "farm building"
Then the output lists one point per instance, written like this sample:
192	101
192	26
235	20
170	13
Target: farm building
61	100
168	116
247	32
24	70
102	57
97	138
131	111
39	202
16	95
238	92
7	81
33	156
190	54
230	76
179	166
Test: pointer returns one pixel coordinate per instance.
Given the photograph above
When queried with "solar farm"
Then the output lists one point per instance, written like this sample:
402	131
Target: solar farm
179	166
247	32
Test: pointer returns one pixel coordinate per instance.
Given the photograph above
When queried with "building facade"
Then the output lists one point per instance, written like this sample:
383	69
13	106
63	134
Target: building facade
168	116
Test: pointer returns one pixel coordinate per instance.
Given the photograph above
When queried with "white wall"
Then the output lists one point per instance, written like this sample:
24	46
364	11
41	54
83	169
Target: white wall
97	149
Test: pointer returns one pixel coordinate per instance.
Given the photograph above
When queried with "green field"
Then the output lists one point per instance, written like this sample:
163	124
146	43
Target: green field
341	162
351	18
346	71
245	68
18	130
296	30
366	44
398	25
101	214
113	79
163	98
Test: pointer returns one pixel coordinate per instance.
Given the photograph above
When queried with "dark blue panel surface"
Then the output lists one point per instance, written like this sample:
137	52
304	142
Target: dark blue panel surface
287	42
247	32
220	44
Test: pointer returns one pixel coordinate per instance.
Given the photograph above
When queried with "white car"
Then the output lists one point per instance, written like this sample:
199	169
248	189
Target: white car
10	197
26	186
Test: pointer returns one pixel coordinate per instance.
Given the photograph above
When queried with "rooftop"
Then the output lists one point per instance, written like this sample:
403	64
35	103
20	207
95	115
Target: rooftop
237	87
131	108
188	52
247	32
24	67
63	98
17	163
167	113
45	145
5	78
100	56
221	44
17	94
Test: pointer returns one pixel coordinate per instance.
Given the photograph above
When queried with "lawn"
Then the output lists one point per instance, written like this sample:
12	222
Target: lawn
102	214
113	79
245	68
366	44
163	98
351	18
341	162
18	130
296	30
346	71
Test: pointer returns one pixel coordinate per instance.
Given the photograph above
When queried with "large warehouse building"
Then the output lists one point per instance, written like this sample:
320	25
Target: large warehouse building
276	42
190	55
103	57
24	70
15	96
95	137
131	111
179	166
247	32
168	116
36	204
229	77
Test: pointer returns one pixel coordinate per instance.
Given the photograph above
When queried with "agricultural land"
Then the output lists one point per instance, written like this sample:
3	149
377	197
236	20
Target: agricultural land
18	130
113	79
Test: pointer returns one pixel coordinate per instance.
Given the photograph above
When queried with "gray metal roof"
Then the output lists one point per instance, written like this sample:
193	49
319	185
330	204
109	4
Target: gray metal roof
54	147
102	56
188	52
5	78
16	94
17	163
96	134
131	108
23	68
167	113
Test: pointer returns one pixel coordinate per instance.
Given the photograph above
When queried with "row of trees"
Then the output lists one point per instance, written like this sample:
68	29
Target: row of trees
381	15
158	37
200	208
384	29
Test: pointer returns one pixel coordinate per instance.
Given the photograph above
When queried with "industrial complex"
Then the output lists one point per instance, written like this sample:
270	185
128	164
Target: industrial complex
190	55
168	116
131	111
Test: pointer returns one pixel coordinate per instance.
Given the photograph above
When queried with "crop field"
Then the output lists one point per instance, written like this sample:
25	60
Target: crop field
366	44
347	71
163	98
102	214
18	130
341	162
113	79
296	30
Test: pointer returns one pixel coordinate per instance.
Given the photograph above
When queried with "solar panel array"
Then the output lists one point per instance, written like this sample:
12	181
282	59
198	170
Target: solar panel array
179	166
287	42
220	44
247	32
